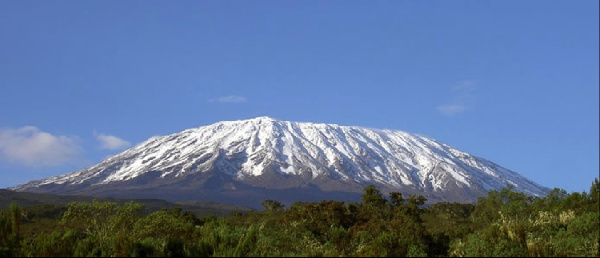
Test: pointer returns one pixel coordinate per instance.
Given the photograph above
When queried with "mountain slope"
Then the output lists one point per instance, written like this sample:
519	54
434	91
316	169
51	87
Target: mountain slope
25	199
263	153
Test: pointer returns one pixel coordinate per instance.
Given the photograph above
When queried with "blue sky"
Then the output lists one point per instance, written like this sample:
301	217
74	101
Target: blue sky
515	82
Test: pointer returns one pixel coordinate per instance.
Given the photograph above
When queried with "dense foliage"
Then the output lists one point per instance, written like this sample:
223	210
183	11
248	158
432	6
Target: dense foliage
505	223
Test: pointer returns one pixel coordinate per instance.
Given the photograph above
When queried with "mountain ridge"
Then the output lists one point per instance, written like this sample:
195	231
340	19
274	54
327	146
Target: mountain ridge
268	153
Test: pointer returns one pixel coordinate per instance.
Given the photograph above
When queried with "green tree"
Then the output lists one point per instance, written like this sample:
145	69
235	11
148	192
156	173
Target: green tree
15	217
396	198
163	226
272	205
594	194
373	197
101	223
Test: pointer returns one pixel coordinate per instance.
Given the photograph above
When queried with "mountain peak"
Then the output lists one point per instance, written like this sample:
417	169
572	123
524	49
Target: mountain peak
258	119
264	118
267	153
255	120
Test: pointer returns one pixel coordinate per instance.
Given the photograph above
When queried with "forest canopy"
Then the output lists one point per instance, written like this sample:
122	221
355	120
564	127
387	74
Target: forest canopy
504	223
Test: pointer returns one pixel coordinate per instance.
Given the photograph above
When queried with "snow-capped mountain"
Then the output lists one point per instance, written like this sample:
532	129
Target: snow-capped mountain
237	159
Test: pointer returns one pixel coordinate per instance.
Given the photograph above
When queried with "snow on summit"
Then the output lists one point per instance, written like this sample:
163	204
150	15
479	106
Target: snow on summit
246	149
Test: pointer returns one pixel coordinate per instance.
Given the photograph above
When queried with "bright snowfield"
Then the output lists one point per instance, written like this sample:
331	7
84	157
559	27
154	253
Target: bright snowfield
394	158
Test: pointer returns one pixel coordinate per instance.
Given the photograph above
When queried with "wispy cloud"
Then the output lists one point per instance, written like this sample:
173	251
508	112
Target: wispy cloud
462	92
450	110
111	142
29	146
229	99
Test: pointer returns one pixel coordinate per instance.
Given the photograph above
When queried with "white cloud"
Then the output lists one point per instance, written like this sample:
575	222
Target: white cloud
111	142
32	147
231	99
450	110
462	94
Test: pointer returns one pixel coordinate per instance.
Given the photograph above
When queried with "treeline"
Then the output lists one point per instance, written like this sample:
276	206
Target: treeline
504	223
